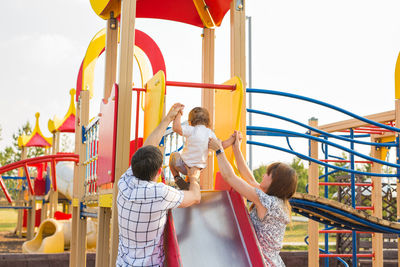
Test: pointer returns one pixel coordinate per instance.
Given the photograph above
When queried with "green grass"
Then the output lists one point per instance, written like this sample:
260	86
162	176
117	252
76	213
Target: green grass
295	234
8	220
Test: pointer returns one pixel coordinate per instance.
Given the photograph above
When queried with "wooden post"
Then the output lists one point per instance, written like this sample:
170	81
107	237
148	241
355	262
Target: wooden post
128	14
21	201
78	235
207	99
313	174
397	115
103	238
376	199
238	56
104	213
53	195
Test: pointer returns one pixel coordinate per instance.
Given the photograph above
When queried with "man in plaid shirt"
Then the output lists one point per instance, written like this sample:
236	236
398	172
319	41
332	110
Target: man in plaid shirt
143	203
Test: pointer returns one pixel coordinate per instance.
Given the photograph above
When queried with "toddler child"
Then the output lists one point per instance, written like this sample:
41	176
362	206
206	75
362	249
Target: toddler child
195	150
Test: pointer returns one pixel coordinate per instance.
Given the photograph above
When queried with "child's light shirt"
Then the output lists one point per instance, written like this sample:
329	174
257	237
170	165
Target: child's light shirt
271	229
195	151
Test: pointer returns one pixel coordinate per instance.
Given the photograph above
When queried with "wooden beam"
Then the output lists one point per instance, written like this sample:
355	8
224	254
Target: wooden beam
238	57
208	99
128	14
354	123
104	213
313	174
78	235
397	109
376	199
111	52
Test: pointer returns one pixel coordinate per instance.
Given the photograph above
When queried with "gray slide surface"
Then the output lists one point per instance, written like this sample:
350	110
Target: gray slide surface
209	235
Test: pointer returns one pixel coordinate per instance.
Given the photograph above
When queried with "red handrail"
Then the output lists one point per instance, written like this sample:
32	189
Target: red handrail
53	159
345	184
346	255
201	85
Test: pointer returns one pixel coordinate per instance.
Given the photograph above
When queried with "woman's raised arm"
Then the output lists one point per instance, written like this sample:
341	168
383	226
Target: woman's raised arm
244	170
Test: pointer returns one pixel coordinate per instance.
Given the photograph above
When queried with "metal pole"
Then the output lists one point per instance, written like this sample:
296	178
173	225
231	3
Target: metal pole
249	95
353	199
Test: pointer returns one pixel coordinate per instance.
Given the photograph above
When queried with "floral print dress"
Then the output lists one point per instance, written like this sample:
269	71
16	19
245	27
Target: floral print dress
270	229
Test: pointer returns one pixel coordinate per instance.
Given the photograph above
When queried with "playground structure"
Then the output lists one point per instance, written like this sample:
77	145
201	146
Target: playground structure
104	153
41	190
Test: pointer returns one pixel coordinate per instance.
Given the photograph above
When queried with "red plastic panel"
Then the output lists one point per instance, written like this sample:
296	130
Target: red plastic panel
171	247
181	10
134	147
38	213
40	187
37	140
220	183
69	125
107	139
247	229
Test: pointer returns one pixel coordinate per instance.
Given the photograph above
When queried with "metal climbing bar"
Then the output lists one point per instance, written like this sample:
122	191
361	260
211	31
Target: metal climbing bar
321	140
201	85
320	162
311	100
340	137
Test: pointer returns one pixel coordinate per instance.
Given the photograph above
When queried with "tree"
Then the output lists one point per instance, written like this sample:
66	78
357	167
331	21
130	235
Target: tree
302	174
297	165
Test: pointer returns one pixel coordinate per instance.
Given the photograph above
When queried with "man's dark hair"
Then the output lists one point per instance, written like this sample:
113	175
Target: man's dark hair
146	162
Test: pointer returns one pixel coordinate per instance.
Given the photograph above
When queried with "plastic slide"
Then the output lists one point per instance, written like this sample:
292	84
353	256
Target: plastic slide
65	177
53	236
49	238
217	232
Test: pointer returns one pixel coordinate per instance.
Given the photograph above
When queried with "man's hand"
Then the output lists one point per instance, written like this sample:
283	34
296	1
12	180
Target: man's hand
193	174
175	109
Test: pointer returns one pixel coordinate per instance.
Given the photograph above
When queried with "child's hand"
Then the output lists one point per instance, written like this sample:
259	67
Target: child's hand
214	144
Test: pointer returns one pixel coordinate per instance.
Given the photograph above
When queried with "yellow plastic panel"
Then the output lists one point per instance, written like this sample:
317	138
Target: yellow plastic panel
49	239
228	115
384	150
103	8
154	103
75	202
397	78
204	13
97	44
105	200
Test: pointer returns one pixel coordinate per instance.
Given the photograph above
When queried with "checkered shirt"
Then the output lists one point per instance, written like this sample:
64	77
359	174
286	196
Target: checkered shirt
142	214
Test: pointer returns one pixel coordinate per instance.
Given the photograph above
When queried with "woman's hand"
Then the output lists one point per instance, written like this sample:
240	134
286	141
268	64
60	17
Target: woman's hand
214	144
238	139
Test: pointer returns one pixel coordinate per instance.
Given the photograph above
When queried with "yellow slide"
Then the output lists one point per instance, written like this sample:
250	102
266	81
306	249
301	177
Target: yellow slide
53	236
49	238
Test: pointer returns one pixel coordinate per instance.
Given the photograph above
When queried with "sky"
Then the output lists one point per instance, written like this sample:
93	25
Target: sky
340	52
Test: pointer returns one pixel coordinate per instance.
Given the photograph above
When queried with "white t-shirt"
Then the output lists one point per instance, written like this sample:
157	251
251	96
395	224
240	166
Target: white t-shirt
195	151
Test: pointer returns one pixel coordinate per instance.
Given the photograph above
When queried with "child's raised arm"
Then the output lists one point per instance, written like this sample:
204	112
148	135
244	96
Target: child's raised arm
176	124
